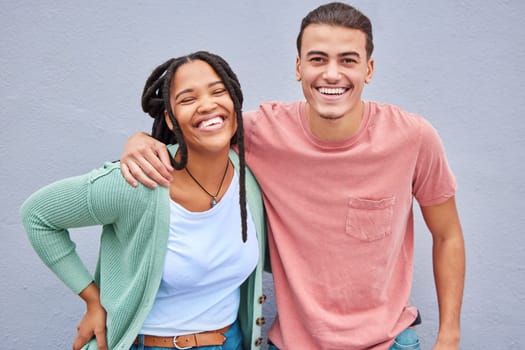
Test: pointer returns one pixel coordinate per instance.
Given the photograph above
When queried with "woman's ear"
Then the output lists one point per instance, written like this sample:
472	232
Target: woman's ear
167	119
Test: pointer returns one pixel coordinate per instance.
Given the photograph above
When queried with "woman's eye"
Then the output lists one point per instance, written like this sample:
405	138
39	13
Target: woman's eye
219	91
186	100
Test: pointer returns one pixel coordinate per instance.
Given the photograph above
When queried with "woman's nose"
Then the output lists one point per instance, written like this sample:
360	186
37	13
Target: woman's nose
206	105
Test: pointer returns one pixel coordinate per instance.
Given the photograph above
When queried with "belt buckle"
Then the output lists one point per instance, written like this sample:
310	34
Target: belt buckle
180	347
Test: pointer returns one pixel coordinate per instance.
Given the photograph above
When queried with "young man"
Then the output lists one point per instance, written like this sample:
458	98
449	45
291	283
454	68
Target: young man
338	177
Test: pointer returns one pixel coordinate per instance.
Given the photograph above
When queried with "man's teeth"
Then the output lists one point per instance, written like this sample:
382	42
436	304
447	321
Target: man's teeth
209	122
332	91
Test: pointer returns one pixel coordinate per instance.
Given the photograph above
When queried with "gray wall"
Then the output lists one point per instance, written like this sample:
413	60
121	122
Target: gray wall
71	79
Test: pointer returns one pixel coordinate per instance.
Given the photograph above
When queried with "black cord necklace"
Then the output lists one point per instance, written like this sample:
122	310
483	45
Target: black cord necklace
213	197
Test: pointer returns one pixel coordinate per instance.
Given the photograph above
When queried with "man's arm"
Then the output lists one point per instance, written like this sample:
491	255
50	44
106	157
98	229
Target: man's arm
147	160
448	251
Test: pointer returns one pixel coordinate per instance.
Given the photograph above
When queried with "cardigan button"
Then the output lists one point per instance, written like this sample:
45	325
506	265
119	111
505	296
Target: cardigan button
262	299
260	321
259	341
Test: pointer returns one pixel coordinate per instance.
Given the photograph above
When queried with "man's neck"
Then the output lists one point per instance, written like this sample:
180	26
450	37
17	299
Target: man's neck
334	129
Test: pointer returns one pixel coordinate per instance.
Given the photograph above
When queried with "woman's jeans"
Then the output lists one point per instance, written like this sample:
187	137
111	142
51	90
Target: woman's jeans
233	341
407	340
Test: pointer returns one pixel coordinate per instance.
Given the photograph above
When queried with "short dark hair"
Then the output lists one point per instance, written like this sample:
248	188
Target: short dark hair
339	14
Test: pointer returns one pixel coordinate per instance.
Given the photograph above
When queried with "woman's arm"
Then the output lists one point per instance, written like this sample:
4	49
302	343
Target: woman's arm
47	215
93	324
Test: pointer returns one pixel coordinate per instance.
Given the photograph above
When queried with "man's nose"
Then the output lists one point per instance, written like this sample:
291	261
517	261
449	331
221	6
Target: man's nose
331	72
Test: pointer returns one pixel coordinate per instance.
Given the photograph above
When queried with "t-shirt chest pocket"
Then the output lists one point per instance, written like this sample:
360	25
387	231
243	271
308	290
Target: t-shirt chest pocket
369	219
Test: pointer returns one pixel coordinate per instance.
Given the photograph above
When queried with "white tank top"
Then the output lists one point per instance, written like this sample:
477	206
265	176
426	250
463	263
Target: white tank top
206	262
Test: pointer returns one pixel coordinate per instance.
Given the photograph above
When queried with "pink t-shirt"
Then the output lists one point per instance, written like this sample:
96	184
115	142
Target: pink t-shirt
341	222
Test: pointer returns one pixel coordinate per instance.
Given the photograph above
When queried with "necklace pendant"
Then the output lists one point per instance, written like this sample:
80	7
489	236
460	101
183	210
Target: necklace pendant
213	198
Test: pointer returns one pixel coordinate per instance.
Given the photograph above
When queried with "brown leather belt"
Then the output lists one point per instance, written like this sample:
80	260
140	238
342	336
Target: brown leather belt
186	341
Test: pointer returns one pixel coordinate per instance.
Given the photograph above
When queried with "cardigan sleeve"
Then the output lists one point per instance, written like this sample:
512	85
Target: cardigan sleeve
48	214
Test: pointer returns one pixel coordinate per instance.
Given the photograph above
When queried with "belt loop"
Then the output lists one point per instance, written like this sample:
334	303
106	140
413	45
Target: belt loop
140	346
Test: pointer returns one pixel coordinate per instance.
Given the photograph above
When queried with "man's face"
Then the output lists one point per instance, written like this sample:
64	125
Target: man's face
333	68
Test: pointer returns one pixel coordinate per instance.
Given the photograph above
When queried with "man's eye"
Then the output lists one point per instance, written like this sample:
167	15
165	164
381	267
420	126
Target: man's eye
316	59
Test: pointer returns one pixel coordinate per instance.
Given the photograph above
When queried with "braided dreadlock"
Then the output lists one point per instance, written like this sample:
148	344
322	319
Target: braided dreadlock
156	100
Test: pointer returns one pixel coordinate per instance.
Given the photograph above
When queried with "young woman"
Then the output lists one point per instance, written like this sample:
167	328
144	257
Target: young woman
178	265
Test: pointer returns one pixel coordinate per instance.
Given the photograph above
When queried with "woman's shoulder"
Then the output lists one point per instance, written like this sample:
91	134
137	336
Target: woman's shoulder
108	178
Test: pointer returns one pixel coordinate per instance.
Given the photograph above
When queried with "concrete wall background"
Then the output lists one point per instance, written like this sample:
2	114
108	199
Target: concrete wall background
71	78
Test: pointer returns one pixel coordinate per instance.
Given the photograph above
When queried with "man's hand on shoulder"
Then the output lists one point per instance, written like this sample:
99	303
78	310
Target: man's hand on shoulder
146	160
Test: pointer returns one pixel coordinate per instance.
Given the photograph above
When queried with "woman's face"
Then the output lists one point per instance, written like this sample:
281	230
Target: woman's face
203	108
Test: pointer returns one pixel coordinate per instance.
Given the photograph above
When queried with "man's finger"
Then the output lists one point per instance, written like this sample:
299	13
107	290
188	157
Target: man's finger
138	174
155	167
165	158
127	175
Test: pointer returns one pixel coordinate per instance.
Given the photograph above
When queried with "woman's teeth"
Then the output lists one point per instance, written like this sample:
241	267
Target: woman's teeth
209	122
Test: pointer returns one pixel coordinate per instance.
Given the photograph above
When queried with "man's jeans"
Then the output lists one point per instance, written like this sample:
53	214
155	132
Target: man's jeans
407	340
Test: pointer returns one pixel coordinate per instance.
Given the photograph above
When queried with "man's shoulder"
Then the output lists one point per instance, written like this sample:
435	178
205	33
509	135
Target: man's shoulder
387	109
393	114
277	107
273	112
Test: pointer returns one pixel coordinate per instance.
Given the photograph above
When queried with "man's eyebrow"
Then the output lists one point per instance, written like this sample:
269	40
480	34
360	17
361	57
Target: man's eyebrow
314	52
349	53
218	82
342	54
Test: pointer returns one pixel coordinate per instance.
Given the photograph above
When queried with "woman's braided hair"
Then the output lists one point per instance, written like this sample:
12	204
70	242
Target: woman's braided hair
156	100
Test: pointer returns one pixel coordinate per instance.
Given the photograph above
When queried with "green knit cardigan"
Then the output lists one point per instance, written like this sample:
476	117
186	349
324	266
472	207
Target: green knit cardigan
135	226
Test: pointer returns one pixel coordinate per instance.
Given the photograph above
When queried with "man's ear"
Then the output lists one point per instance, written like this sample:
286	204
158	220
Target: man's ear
168	120
370	71
298	68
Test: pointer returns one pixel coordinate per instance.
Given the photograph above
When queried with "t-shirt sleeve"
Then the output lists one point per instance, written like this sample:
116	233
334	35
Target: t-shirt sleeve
249	120
433	181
